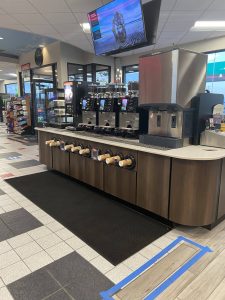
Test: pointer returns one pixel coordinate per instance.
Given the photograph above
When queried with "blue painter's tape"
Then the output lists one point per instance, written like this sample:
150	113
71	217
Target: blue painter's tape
107	295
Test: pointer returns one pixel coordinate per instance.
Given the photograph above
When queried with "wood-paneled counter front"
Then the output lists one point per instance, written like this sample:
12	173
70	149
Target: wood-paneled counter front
185	186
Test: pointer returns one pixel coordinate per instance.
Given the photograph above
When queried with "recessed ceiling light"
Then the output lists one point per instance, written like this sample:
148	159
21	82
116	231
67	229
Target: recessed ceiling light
13	74
0	70
1	38
86	27
209	26
41	46
80	69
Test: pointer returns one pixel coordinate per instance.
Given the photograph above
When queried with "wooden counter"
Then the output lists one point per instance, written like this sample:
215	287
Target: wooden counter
185	186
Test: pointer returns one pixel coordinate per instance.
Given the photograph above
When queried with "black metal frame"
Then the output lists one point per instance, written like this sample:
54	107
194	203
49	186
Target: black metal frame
93	70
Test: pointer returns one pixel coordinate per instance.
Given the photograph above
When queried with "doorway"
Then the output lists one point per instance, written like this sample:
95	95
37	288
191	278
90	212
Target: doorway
42	78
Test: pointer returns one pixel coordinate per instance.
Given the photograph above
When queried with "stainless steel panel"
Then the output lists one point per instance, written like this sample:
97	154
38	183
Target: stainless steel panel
107	119
172	77
129	120
166	127
213	139
89	117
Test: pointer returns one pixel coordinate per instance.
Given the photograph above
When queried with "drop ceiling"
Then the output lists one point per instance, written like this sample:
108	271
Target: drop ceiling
6	71
60	20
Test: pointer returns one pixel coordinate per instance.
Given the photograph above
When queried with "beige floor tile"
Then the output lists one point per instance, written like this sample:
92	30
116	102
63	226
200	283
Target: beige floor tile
20	240
55	226
87	252
39	232
75	243
64	234
102	264
49	241
5	294
46	219
28	250
1	283
150	251
4	247
2	210
135	261
11	207
38	260
59	250
14	272
118	273
8	258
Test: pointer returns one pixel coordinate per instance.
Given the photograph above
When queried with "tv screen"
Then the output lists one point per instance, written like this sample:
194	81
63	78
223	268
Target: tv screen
116	26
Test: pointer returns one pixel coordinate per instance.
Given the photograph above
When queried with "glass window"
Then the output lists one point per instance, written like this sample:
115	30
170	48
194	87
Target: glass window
75	72
11	89
131	73
215	76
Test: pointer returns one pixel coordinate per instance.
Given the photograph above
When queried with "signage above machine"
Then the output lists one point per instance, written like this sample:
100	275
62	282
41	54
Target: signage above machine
38	56
25	67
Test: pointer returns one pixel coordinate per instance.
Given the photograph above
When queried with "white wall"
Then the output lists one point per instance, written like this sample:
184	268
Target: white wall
62	53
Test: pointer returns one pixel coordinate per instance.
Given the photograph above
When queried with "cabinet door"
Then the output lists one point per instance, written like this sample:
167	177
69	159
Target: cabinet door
77	167
60	161
153	182
120	183
194	191
45	152
94	173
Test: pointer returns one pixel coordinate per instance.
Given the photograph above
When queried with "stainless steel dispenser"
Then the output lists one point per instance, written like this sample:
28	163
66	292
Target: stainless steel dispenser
168	82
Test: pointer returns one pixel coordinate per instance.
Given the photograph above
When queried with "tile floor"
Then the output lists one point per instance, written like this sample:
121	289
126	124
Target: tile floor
41	259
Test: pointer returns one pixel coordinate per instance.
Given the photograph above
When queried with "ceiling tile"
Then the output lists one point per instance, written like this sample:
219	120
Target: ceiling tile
46	30
83	5
217	5
81	17
167	4
30	19
17	6
60	18
50	6
192	4
7	20
213	15
178	26
68	28
194	36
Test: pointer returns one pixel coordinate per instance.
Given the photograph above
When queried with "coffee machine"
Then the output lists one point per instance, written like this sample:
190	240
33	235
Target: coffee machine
168	82
89	114
107	115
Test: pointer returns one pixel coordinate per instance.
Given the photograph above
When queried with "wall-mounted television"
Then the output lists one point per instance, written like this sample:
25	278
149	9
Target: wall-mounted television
123	25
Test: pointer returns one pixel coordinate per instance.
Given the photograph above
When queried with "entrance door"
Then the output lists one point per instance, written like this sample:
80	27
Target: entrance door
42	78
40	108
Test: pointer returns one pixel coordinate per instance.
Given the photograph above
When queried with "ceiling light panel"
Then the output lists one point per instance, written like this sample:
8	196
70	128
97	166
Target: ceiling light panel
209	26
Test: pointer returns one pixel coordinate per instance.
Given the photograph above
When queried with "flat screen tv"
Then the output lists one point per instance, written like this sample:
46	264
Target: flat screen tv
120	25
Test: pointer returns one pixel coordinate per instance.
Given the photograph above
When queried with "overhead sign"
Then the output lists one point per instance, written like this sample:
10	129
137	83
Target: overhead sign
25	67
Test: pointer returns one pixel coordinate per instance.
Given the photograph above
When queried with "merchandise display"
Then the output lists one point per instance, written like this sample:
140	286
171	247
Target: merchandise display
18	115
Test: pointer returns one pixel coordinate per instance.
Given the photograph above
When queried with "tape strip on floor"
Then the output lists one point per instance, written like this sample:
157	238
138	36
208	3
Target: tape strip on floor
114	292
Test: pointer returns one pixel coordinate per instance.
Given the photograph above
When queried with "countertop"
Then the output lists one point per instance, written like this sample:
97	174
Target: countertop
187	153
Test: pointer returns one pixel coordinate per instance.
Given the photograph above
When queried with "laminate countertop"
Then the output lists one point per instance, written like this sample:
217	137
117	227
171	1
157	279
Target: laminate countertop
188	153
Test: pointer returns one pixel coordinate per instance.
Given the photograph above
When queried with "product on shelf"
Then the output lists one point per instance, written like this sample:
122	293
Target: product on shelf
18	117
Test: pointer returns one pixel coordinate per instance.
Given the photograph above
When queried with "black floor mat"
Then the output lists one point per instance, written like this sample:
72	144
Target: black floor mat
112	229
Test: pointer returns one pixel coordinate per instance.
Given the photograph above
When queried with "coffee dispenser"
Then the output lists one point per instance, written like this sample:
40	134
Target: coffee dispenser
132	119
107	114
89	114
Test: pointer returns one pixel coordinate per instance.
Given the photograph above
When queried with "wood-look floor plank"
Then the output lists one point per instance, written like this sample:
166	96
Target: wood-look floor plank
207	281
219	292
147	281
